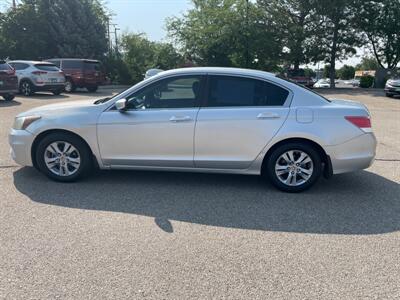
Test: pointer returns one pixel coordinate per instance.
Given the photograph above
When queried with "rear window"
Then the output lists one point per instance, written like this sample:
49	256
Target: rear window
72	64
4	67
46	67
91	66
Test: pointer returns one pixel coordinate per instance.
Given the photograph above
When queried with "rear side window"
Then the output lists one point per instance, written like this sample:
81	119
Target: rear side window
91	66
19	66
46	67
239	91
72	64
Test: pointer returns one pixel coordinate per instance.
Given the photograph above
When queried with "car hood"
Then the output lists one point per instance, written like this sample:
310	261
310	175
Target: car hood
395	82
62	108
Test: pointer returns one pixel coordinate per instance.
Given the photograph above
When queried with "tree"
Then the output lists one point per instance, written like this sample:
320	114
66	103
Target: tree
336	37
346	72
39	29
379	20
294	22
225	33
140	54
368	63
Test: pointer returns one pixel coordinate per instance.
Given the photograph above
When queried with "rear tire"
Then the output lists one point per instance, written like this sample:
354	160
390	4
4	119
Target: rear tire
92	89
26	88
9	97
293	167
70	86
63	157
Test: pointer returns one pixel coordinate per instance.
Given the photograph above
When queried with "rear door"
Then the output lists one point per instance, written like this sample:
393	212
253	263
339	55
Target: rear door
241	116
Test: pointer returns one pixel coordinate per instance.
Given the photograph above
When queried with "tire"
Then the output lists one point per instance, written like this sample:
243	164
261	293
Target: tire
26	88
70	86
389	95
92	89
278	162
9	97
51	147
57	92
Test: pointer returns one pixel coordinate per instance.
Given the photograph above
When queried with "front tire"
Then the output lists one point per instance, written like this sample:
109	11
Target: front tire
389	95
293	167
9	97
57	92
63	157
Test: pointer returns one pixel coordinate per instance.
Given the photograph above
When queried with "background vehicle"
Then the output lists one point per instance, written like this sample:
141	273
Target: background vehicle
8	81
322	83
392	87
35	76
299	76
201	119
80	73
152	72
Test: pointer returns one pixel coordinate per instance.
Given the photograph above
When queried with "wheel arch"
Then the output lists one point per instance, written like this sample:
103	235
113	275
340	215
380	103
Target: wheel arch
45	133
323	155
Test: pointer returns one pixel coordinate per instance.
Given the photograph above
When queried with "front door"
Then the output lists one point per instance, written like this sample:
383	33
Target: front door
158	127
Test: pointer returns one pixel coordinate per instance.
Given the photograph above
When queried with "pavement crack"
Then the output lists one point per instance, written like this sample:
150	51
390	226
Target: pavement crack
387	159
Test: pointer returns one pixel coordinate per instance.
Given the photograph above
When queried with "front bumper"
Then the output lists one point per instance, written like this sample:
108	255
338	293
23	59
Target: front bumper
21	144
356	154
392	90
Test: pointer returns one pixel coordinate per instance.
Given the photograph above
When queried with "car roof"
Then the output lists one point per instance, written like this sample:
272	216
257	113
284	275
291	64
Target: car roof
79	59
31	62
218	70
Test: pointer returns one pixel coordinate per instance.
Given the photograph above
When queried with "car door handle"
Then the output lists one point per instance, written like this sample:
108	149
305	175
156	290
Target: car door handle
268	116
180	118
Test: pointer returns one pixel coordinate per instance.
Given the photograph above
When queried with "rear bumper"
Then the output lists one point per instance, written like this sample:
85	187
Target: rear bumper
49	87
353	155
21	144
9	91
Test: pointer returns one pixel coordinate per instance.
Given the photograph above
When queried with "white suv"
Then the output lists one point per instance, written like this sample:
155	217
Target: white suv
35	76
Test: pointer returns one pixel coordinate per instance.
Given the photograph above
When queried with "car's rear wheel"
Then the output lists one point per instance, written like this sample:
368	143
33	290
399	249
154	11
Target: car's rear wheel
26	88
293	167
70	86
63	157
9	97
92	89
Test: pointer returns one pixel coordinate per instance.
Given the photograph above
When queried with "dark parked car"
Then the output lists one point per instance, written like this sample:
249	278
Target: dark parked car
8	81
80	73
300	77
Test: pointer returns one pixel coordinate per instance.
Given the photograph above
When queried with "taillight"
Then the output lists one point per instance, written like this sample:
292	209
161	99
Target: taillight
362	122
39	72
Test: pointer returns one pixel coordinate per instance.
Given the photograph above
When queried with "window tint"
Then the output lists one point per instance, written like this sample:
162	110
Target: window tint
56	62
177	92
239	91
19	66
72	64
4	67
47	67
91	66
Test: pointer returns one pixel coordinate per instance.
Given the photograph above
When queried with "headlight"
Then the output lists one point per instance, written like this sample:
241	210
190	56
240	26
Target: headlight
21	123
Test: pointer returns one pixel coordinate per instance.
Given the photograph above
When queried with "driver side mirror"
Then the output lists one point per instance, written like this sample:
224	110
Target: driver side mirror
121	104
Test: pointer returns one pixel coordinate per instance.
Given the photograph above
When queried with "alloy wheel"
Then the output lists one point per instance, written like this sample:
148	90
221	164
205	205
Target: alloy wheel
294	167
62	158
26	89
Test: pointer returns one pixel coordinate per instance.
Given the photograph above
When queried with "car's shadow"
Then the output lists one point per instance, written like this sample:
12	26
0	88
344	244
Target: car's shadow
359	203
4	103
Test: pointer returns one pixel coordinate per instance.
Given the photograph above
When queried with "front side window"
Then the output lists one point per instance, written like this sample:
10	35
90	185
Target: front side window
177	92
4	67
239	91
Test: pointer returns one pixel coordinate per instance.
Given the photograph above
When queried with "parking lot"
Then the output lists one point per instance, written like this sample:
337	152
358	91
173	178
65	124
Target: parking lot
199	236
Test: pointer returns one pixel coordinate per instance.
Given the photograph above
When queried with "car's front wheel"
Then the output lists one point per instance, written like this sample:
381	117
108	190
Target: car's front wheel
293	167
9	97
63	157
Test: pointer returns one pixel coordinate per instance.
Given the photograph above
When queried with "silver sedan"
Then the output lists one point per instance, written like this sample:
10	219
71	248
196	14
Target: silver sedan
218	120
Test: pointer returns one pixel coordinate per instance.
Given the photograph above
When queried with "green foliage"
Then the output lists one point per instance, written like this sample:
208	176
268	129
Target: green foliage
379	20
140	54
366	81
309	72
346	72
40	29
368	63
